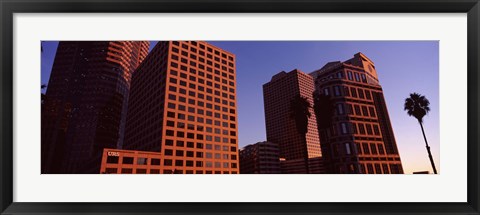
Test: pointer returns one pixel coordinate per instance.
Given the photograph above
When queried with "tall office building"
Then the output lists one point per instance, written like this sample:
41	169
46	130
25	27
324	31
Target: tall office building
360	138
84	108
183	105
260	158
278	94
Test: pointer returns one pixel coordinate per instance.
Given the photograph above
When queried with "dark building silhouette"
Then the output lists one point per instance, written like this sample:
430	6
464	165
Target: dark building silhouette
183	106
295	149
260	158
84	108
360	138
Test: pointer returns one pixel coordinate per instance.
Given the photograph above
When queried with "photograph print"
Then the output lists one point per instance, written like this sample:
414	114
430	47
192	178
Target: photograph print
240	107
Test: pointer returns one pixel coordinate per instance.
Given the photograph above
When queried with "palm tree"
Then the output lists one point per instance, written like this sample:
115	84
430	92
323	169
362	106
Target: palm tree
418	106
300	112
324	108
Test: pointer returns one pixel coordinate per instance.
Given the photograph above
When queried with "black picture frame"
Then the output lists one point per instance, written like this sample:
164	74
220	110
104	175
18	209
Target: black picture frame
9	7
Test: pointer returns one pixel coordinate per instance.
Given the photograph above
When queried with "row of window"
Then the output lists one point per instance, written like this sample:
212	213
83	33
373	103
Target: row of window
208	121
194	102
157	171
363	148
223	93
180	143
359	128
201	128
170	162
348	91
192	61
351	76
193	46
377	168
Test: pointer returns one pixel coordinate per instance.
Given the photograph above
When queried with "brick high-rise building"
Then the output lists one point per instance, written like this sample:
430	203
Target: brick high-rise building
84	108
260	158
281	127
183	105
360	138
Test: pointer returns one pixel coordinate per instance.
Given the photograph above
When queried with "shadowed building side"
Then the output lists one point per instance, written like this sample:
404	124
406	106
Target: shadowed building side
92	78
281	128
260	158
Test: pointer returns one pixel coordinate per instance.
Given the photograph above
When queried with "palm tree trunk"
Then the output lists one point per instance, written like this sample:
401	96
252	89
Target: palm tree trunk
428	150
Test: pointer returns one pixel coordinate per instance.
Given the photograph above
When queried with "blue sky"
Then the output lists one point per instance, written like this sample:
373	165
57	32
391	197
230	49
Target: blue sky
403	67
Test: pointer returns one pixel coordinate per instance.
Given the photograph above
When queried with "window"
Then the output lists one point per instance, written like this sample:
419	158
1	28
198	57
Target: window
349	73
369	129
385	169
337	90
126	171
340	109
179	153
209	164
353	92
141	171
367	94
366	149
361	127
357	77
111	171
127	160
372	111
378	170
364	111
357	148
168	152
360	94
339	74
357	110
347	148
370	168
376	130
155	162
112	159
373	148
364	78
142	161
380	149
326	91
344	127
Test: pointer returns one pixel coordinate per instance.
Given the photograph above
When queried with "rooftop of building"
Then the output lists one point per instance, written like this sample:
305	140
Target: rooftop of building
334	64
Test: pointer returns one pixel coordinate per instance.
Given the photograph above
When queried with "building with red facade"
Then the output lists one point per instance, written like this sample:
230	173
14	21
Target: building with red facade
83	110
260	158
360	137
295	148
183	106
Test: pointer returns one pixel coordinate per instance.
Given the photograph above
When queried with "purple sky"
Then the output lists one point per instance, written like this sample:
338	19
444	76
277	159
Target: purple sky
403	67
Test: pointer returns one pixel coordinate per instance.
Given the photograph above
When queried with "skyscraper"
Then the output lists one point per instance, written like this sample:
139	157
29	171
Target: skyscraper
183	105
278	94
86	101
359	137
